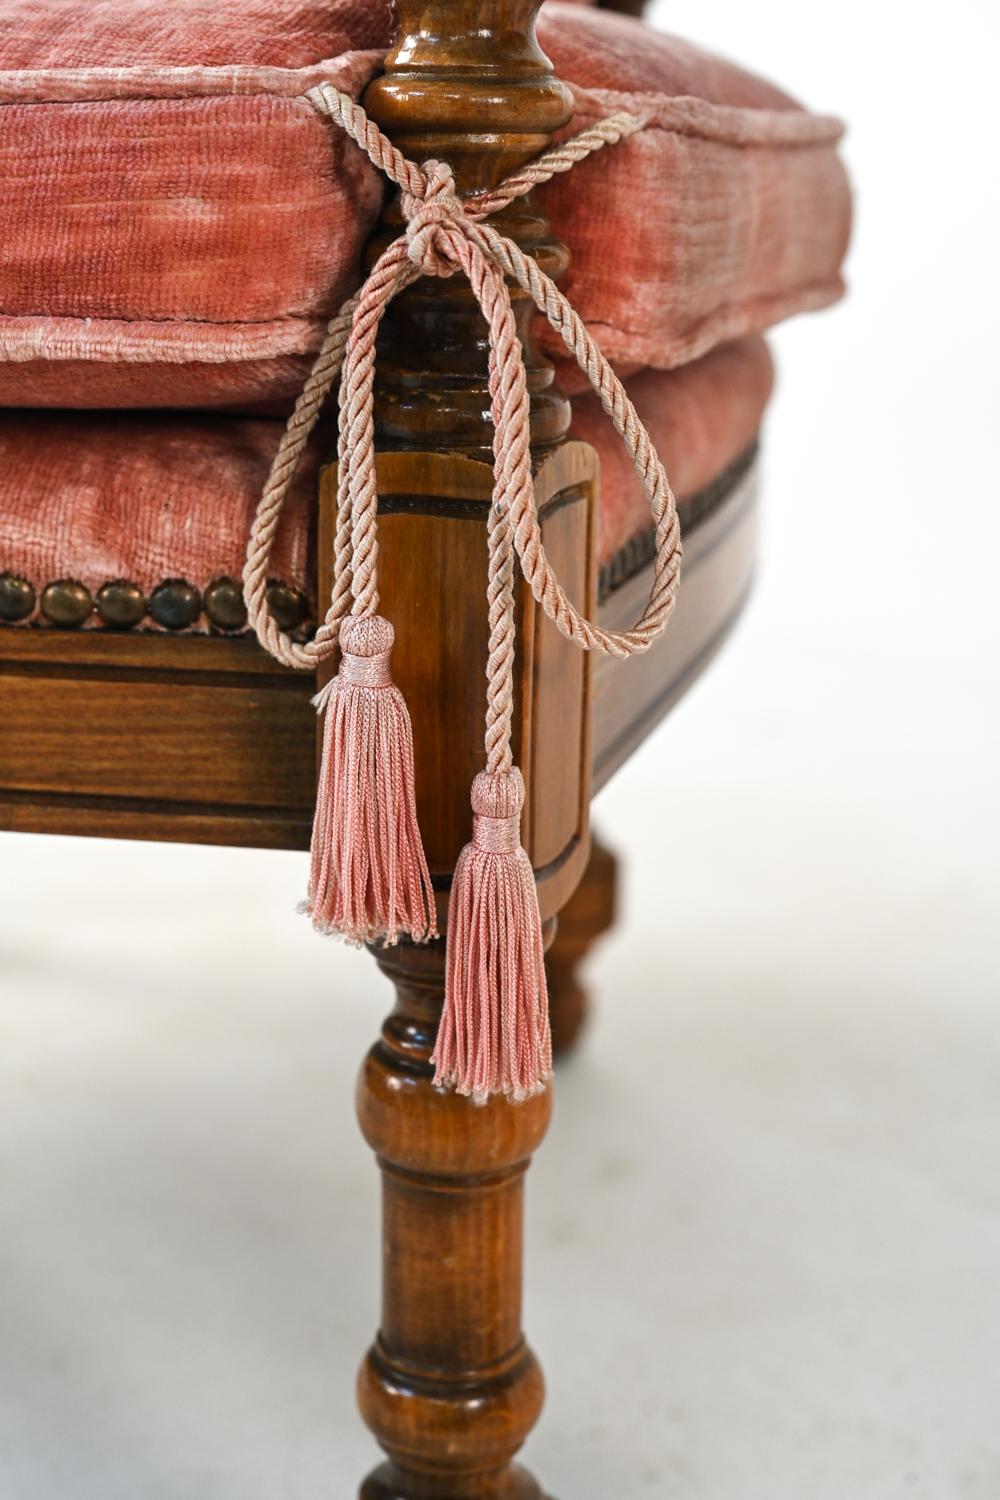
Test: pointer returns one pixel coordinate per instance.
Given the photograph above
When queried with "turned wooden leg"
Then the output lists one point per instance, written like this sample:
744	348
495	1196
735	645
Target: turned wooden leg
449	1388
588	913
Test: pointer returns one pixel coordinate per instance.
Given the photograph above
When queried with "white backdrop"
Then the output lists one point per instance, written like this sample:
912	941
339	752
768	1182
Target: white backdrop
765	1230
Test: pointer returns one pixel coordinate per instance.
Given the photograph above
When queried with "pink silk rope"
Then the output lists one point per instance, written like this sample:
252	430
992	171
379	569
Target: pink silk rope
444	235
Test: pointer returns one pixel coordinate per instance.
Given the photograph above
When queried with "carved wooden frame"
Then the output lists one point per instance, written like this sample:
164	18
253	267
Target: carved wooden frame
169	741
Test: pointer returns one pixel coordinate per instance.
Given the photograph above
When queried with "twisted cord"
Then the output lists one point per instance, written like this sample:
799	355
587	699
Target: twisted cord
559	158
443	235
518	491
357	485
343	111
265	522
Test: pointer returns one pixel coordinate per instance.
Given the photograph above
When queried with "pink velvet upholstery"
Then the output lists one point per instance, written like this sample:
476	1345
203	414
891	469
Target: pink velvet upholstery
177	222
701	417
151	496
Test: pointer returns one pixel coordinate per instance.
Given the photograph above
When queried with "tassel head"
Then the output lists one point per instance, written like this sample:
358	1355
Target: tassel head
494	1033
368	879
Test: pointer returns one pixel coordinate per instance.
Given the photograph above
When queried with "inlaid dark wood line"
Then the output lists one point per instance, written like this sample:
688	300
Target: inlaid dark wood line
150	650
156	806
638	551
189	827
654	708
468	510
730	512
294	682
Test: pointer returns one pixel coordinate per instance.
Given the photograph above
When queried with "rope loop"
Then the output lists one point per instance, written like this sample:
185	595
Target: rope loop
444	234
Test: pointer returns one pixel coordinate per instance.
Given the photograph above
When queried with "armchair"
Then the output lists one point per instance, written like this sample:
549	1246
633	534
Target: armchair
161	734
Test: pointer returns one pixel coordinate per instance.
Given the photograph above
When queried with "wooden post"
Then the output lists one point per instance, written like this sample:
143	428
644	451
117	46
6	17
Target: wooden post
588	913
466	82
450	1388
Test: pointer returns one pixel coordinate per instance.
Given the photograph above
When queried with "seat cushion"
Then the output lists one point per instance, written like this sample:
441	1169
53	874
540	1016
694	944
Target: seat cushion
177	222
703	417
164	501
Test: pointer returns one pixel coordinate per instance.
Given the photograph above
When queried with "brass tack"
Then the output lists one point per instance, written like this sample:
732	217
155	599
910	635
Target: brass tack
17	598
288	606
120	604
224	604
175	604
66	603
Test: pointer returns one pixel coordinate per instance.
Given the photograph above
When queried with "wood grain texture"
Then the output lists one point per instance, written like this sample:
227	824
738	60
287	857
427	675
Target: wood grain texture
631	697
468	83
450	1389
432	579
205	739
588	914
182	738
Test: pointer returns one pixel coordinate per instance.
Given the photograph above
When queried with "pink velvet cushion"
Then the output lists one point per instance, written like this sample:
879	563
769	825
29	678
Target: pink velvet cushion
154	496
177	222
702	417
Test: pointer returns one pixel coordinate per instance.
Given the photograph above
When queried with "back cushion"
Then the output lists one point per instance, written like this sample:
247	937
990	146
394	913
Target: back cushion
177	222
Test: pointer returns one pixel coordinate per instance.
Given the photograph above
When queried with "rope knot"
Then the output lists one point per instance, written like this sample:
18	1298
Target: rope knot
428	215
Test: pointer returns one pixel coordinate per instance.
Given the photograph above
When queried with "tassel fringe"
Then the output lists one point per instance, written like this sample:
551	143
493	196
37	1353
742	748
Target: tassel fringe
494	1034
368	880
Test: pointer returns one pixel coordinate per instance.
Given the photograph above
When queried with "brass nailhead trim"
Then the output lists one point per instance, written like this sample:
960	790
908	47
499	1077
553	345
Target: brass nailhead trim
289	606
121	604
175	604
224	604
17	598
66	603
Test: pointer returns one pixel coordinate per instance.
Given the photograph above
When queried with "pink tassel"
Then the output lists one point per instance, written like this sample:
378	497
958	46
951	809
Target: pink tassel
494	1033
368	879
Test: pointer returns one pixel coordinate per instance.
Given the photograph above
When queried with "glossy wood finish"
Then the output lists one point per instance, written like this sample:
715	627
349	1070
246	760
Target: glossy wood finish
187	738
449	1388
466	82
125	736
631	697
588	914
